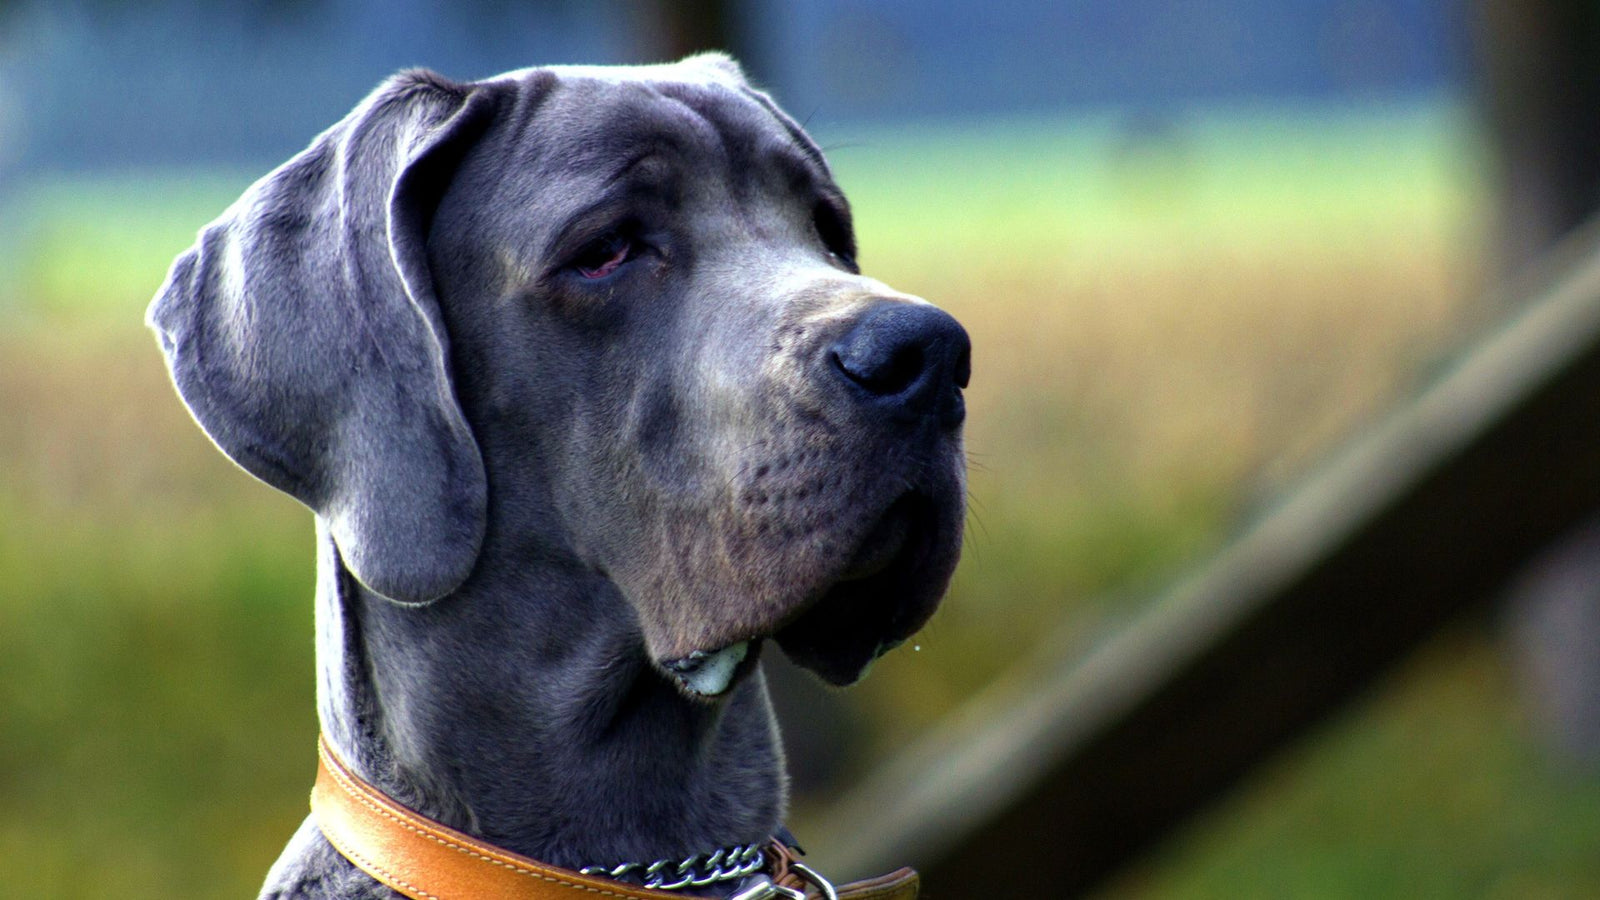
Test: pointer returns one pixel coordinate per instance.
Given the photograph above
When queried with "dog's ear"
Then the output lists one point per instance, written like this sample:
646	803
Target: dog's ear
303	333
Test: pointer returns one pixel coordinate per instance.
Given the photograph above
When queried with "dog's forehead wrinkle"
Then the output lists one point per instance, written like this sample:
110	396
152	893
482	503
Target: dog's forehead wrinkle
750	137
692	116
712	147
580	128
801	139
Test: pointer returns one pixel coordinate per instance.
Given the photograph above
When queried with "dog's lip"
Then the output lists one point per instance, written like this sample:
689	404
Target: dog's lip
882	545
867	611
710	673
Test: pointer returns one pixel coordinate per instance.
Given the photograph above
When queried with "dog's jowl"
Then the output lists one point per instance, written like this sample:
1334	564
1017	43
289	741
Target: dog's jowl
577	371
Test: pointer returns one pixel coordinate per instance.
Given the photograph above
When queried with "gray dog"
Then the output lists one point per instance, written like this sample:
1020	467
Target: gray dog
578	373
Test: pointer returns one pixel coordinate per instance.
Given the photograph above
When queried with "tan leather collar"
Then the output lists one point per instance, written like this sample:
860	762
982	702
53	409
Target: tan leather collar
426	860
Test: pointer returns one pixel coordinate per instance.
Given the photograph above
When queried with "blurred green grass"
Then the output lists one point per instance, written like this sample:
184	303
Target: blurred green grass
1171	318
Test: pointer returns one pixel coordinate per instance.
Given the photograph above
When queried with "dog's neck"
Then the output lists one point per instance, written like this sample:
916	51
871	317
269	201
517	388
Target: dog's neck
523	709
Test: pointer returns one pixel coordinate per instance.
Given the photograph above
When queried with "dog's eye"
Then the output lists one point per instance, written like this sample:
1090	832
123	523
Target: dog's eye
605	255
834	230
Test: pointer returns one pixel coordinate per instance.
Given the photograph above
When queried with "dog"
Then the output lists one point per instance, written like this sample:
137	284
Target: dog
578	373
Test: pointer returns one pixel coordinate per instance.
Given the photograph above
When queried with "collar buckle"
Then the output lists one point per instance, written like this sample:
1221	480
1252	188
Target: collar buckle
814	878
762	887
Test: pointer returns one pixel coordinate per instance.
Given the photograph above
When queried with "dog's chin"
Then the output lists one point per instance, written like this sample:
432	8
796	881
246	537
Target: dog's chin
870	605
886	592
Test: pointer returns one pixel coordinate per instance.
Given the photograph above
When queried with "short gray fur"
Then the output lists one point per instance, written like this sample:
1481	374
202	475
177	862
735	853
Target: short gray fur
537	491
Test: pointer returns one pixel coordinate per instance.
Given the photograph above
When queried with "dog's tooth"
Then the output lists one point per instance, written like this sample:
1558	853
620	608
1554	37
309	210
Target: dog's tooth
688	663
709	674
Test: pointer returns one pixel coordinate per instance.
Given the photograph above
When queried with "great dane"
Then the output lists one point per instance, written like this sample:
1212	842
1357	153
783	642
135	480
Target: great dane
577	371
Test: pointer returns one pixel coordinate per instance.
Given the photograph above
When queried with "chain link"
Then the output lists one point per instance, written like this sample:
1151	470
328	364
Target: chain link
695	871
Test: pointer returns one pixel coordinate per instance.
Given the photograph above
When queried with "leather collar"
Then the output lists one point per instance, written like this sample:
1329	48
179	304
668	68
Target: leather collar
427	860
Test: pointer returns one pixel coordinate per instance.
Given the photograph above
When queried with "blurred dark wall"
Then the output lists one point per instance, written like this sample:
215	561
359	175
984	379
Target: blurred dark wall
850	58
90	84
1538	79
100	84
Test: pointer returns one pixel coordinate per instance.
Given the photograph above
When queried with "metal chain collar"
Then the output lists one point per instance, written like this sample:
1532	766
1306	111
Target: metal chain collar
726	864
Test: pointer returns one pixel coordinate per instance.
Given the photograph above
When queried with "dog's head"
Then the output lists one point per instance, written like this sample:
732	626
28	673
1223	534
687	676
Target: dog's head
614	308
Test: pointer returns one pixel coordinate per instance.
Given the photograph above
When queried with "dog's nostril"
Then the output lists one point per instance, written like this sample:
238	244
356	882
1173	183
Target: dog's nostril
885	378
910	357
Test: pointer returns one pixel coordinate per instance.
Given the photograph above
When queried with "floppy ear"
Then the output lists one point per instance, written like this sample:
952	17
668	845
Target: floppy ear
303	333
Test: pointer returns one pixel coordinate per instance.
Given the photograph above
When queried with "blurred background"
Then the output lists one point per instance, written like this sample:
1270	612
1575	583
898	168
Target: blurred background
1198	246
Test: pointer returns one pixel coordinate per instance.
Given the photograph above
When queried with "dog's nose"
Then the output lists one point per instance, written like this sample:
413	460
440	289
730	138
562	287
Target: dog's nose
909	358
